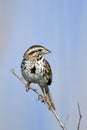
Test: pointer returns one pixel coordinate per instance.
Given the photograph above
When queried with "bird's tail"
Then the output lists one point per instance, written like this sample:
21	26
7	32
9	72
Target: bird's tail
49	98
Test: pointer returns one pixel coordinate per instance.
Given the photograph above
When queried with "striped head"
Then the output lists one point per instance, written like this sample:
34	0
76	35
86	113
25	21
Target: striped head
36	52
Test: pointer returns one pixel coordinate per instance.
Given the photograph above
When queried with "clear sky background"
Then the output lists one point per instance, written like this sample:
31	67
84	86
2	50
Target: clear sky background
60	26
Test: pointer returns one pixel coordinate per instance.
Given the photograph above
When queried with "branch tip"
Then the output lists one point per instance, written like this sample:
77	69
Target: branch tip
80	116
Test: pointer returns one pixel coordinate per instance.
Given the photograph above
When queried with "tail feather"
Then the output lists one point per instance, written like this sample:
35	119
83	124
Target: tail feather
50	100
49	97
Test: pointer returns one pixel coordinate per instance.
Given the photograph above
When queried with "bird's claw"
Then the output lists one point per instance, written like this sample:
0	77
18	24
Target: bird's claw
27	86
44	99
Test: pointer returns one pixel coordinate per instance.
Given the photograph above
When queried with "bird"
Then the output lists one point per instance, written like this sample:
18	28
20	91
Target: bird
36	69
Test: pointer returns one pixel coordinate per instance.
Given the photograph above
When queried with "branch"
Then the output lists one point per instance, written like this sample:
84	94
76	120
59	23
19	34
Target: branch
58	119
80	117
40	97
24	82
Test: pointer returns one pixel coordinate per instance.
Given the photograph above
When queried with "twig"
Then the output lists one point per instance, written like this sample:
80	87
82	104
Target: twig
80	117
58	119
41	97
24	82
68	117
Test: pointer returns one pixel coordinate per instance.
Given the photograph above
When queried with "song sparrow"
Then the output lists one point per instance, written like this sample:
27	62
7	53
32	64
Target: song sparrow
36	69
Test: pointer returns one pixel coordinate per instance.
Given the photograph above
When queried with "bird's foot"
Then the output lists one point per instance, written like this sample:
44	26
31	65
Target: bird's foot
44	99
27	86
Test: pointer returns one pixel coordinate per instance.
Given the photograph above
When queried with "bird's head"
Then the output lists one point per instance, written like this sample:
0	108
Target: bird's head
36	52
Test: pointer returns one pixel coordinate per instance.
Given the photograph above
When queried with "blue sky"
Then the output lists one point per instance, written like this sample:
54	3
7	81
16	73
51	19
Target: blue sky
60	26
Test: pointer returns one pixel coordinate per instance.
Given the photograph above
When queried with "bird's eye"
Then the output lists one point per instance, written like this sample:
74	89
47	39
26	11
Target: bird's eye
40	50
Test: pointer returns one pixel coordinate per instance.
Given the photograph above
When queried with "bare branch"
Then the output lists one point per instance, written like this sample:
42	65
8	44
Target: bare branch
41	97
68	117
24	82
80	116
58	119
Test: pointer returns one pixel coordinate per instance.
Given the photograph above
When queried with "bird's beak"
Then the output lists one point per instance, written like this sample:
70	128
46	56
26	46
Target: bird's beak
47	51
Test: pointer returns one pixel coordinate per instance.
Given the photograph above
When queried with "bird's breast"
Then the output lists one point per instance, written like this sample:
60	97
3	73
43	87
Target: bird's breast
33	71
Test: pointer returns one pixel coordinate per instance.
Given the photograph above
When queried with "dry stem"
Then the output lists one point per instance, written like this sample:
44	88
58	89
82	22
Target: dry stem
41	97
80	116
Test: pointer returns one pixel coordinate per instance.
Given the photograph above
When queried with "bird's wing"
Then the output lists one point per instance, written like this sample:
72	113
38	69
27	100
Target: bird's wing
48	72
